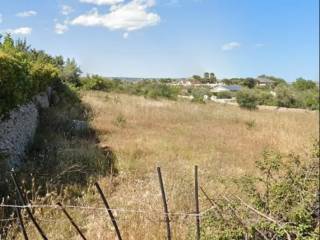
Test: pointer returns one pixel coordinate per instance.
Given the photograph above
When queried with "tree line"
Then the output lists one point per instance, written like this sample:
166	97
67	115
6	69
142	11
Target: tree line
25	71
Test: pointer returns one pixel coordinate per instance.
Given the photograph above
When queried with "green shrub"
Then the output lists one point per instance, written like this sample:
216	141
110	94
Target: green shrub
151	89
199	93
265	98
279	202
161	90
302	84
147	88
308	99
225	95
14	83
70	72
24	73
247	99
93	83
285	97
42	75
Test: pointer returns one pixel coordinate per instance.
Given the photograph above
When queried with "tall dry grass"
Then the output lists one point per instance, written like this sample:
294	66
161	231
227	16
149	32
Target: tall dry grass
224	141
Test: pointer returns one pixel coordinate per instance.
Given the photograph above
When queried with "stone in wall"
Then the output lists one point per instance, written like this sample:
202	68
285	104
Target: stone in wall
41	100
18	129
17	132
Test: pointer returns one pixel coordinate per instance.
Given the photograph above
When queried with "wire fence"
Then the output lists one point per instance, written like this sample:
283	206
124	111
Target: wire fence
167	215
137	211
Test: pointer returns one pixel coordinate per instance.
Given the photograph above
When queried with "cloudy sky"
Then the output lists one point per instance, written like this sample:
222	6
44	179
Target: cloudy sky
173	38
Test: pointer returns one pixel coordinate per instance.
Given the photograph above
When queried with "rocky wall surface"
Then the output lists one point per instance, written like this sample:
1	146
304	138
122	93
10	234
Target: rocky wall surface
17	130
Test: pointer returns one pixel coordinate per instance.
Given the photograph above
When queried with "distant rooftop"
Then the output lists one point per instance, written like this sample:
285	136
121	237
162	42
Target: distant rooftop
264	80
233	87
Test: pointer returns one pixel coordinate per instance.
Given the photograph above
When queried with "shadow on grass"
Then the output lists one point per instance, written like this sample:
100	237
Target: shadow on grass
65	156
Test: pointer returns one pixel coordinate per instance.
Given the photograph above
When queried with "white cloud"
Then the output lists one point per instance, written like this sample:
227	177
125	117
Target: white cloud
1	19
92	18
61	28
26	14
66	10
102	2
229	46
129	16
20	31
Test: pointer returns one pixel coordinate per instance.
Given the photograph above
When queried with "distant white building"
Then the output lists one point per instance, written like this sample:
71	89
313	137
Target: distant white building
226	88
185	83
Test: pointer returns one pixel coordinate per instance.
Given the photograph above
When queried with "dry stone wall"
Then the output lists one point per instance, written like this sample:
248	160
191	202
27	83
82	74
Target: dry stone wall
17	130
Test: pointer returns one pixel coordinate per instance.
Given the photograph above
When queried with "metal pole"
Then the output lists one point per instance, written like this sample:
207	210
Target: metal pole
22	200
71	220
25	236
114	222
196	194
165	206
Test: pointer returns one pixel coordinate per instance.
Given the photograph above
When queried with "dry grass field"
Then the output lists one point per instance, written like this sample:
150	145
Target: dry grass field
224	141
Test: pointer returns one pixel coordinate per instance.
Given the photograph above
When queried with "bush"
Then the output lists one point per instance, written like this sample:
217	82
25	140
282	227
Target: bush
156	90
70	72
285	97
302	84
93	83
308	99
149	89
280	202
42	75
199	93
23	73
265	98
225	95
247	99
14	83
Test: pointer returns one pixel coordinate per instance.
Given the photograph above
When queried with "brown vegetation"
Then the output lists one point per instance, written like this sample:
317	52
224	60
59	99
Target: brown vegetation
224	141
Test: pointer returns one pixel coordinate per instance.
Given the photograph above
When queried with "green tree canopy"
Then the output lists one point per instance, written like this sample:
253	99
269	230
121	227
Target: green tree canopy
71	72
302	84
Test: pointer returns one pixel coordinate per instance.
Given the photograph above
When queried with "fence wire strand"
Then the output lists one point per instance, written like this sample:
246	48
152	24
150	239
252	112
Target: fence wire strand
116	210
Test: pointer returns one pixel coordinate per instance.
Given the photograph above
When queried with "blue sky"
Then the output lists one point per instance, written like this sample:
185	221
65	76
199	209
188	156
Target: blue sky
173	38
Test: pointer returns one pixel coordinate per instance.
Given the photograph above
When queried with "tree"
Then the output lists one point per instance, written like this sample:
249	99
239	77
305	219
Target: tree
21	45
208	78
249	82
14	84
285	97
8	45
302	84
212	78
8	42
206	75
247	99
197	78
71	72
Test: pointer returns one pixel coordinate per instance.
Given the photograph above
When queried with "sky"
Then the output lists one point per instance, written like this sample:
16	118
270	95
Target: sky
173	38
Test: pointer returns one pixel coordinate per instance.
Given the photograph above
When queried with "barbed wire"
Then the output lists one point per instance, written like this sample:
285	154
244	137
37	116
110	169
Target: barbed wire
103	208
7	219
